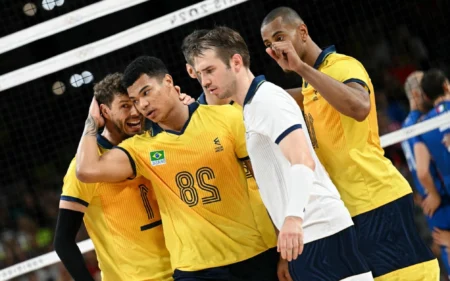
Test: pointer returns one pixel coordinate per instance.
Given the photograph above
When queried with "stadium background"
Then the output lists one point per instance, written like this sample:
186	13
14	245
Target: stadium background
39	131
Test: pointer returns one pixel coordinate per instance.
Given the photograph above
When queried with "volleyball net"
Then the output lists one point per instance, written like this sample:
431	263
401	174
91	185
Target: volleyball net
45	94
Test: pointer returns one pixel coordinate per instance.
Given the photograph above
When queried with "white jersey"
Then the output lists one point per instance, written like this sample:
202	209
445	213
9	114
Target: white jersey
270	114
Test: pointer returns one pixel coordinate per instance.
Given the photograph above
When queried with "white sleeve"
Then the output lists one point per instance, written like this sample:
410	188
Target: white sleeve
277	116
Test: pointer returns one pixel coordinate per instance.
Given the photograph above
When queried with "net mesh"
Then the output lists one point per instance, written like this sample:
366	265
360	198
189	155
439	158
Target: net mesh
40	130
17	15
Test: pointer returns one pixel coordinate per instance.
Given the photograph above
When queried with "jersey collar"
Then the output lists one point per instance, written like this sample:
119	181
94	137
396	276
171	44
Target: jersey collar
202	99
323	55
103	142
257	81
156	129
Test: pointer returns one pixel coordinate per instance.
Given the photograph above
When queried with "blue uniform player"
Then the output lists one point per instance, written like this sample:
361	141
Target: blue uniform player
429	150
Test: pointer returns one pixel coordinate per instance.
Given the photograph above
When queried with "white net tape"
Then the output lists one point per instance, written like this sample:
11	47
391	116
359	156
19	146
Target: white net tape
116	42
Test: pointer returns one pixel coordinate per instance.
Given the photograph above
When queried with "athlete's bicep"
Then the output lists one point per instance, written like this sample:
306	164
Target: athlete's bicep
113	166
248	165
72	205
296	149
423	159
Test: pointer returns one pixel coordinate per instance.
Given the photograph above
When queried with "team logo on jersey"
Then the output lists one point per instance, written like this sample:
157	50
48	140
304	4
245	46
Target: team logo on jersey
219	146
157	157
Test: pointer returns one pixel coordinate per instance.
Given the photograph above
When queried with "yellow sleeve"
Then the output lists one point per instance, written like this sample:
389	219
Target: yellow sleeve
75	190
235	119
349	70
128	146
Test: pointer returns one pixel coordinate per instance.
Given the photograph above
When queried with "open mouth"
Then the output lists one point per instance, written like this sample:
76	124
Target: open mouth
134	124
150	113
213	91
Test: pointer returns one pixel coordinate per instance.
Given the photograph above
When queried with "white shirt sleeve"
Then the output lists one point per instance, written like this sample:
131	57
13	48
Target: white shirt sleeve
276	116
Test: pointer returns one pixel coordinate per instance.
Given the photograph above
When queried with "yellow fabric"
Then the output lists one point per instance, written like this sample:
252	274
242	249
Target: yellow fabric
351	150
113	219
201	188
425	271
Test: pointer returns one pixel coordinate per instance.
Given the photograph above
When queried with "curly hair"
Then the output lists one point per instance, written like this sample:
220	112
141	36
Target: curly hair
108	88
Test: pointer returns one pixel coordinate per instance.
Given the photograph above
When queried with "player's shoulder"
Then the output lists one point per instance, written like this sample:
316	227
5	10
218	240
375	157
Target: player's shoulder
337	60
412	118
226	110
270	96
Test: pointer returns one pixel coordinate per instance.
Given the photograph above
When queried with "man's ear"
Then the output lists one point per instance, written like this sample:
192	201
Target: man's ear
105	111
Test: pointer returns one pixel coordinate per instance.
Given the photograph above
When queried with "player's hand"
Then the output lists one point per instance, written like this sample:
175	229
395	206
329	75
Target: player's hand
94	112
446	141
290	239
186	99
441	237
283	270
431	203
285	55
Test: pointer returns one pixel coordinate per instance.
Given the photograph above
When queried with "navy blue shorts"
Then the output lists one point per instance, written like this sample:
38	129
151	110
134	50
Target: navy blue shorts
388	237
262	267
331	258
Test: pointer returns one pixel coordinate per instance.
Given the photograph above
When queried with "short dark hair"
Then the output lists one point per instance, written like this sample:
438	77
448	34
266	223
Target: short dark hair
151	66
288	15
224	40
189	40
108	88
433	83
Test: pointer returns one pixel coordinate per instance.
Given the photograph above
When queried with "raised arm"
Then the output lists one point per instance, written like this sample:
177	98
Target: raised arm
112	166
350	97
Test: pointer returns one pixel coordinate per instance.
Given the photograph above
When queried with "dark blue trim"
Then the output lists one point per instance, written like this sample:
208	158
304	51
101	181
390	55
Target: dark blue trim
257	81
133	165
156	129
151	225
202	99
103	142
323	55
74	199
244	158
359	81
287	131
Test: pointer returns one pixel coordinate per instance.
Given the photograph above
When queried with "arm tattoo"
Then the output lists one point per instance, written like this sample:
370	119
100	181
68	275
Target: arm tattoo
90	127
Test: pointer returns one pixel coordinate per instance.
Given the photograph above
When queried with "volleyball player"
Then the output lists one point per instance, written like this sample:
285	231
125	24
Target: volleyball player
339	105
122	219
429	184
194	159
428	147
293	184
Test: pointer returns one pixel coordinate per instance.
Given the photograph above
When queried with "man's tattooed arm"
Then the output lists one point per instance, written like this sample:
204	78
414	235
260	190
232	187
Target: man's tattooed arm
90	127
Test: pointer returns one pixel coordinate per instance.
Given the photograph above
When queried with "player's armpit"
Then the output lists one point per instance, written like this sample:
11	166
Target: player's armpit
296	93
72	205
295	148
249	166
113	166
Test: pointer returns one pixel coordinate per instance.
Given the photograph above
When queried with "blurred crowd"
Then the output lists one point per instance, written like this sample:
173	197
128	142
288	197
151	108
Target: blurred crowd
27	223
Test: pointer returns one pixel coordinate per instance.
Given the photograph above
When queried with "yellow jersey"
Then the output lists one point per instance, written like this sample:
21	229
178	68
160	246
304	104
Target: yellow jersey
263	221
351	150
124	223
201	187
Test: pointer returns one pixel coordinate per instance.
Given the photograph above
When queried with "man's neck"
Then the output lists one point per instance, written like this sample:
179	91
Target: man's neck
176	119
243	84
441	99
312	53
211	100
412	106
111	135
